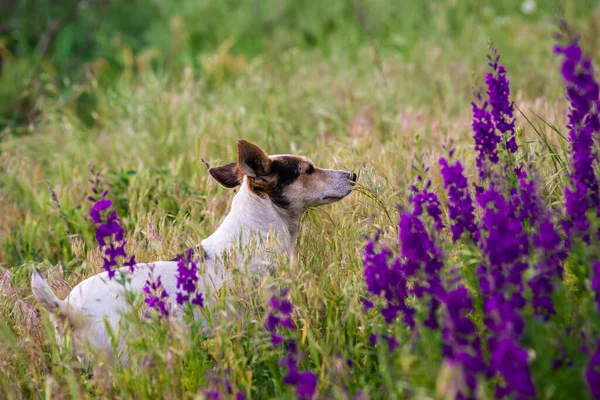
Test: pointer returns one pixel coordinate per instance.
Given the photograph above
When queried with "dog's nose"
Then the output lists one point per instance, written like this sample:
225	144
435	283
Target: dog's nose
353	177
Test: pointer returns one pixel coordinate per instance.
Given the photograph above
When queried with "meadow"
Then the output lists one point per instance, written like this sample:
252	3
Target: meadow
381	88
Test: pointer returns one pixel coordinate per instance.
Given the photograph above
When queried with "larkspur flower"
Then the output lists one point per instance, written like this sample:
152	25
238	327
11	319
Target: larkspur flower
486	139
592	373
506	248
388	282
280	311
547	242
511	361
595	284
461	344
305	383
187	280
583	94
429	200
109	233
460	206
499	99
156	296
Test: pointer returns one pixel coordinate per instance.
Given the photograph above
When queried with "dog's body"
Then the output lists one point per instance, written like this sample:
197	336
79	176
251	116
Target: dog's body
274	193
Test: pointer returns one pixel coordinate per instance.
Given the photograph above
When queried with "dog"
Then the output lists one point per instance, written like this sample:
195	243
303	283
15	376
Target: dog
274	192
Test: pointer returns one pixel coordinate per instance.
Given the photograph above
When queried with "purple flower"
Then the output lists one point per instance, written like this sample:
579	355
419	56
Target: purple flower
595	284
498	97
304	382
280	311
592	373
110	236
156	296
430	201
582	93
187	280
486	140
461	343
460	205
511	362
392	342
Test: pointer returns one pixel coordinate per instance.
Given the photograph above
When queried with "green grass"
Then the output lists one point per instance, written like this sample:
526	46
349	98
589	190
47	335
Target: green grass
377	102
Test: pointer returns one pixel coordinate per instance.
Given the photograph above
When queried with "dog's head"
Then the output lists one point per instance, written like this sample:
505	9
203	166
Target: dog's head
292	183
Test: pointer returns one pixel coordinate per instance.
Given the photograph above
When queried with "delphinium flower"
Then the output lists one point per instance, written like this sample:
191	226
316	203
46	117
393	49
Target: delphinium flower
505	246
220	388
592	373
420	264
595	284
109	233
429	200
460	204
547	242
491	115
582	92
486	139
156	296
499	99
388	282
280	311
187	280
461	344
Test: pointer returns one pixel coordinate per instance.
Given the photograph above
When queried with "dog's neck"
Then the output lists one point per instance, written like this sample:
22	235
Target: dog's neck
252	214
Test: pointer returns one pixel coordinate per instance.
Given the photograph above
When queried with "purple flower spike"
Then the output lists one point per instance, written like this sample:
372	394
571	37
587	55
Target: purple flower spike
582	93
499	99
110	236
592	373
156	296
460	206
187	280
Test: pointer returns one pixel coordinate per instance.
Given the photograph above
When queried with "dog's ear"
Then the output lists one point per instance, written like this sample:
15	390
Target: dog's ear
228	175
256	165
252	160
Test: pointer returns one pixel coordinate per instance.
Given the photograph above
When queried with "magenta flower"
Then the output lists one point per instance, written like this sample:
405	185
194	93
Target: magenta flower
592	373
187	280
582	92
499	99
460	205
279	317
109	233
156	296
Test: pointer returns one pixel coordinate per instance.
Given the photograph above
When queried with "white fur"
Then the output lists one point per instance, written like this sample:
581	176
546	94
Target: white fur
99	300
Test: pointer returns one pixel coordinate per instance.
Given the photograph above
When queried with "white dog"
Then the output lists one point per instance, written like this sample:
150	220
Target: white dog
274	193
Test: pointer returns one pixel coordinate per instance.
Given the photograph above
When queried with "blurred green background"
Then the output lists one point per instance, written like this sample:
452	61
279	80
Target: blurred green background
50	48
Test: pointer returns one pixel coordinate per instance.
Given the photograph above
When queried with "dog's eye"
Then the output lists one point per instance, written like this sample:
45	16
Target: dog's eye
310	170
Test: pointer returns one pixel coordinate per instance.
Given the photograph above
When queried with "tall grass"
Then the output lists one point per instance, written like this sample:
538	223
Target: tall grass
377	110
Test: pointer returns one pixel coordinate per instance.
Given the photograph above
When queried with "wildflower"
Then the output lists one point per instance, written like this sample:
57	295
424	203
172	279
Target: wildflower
506	248
582	93
460	205
461	344
595	284
431	203
498	97
109	233
156	296
187	280
511	361
592	373
304	382
486	140
388	282
279	316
